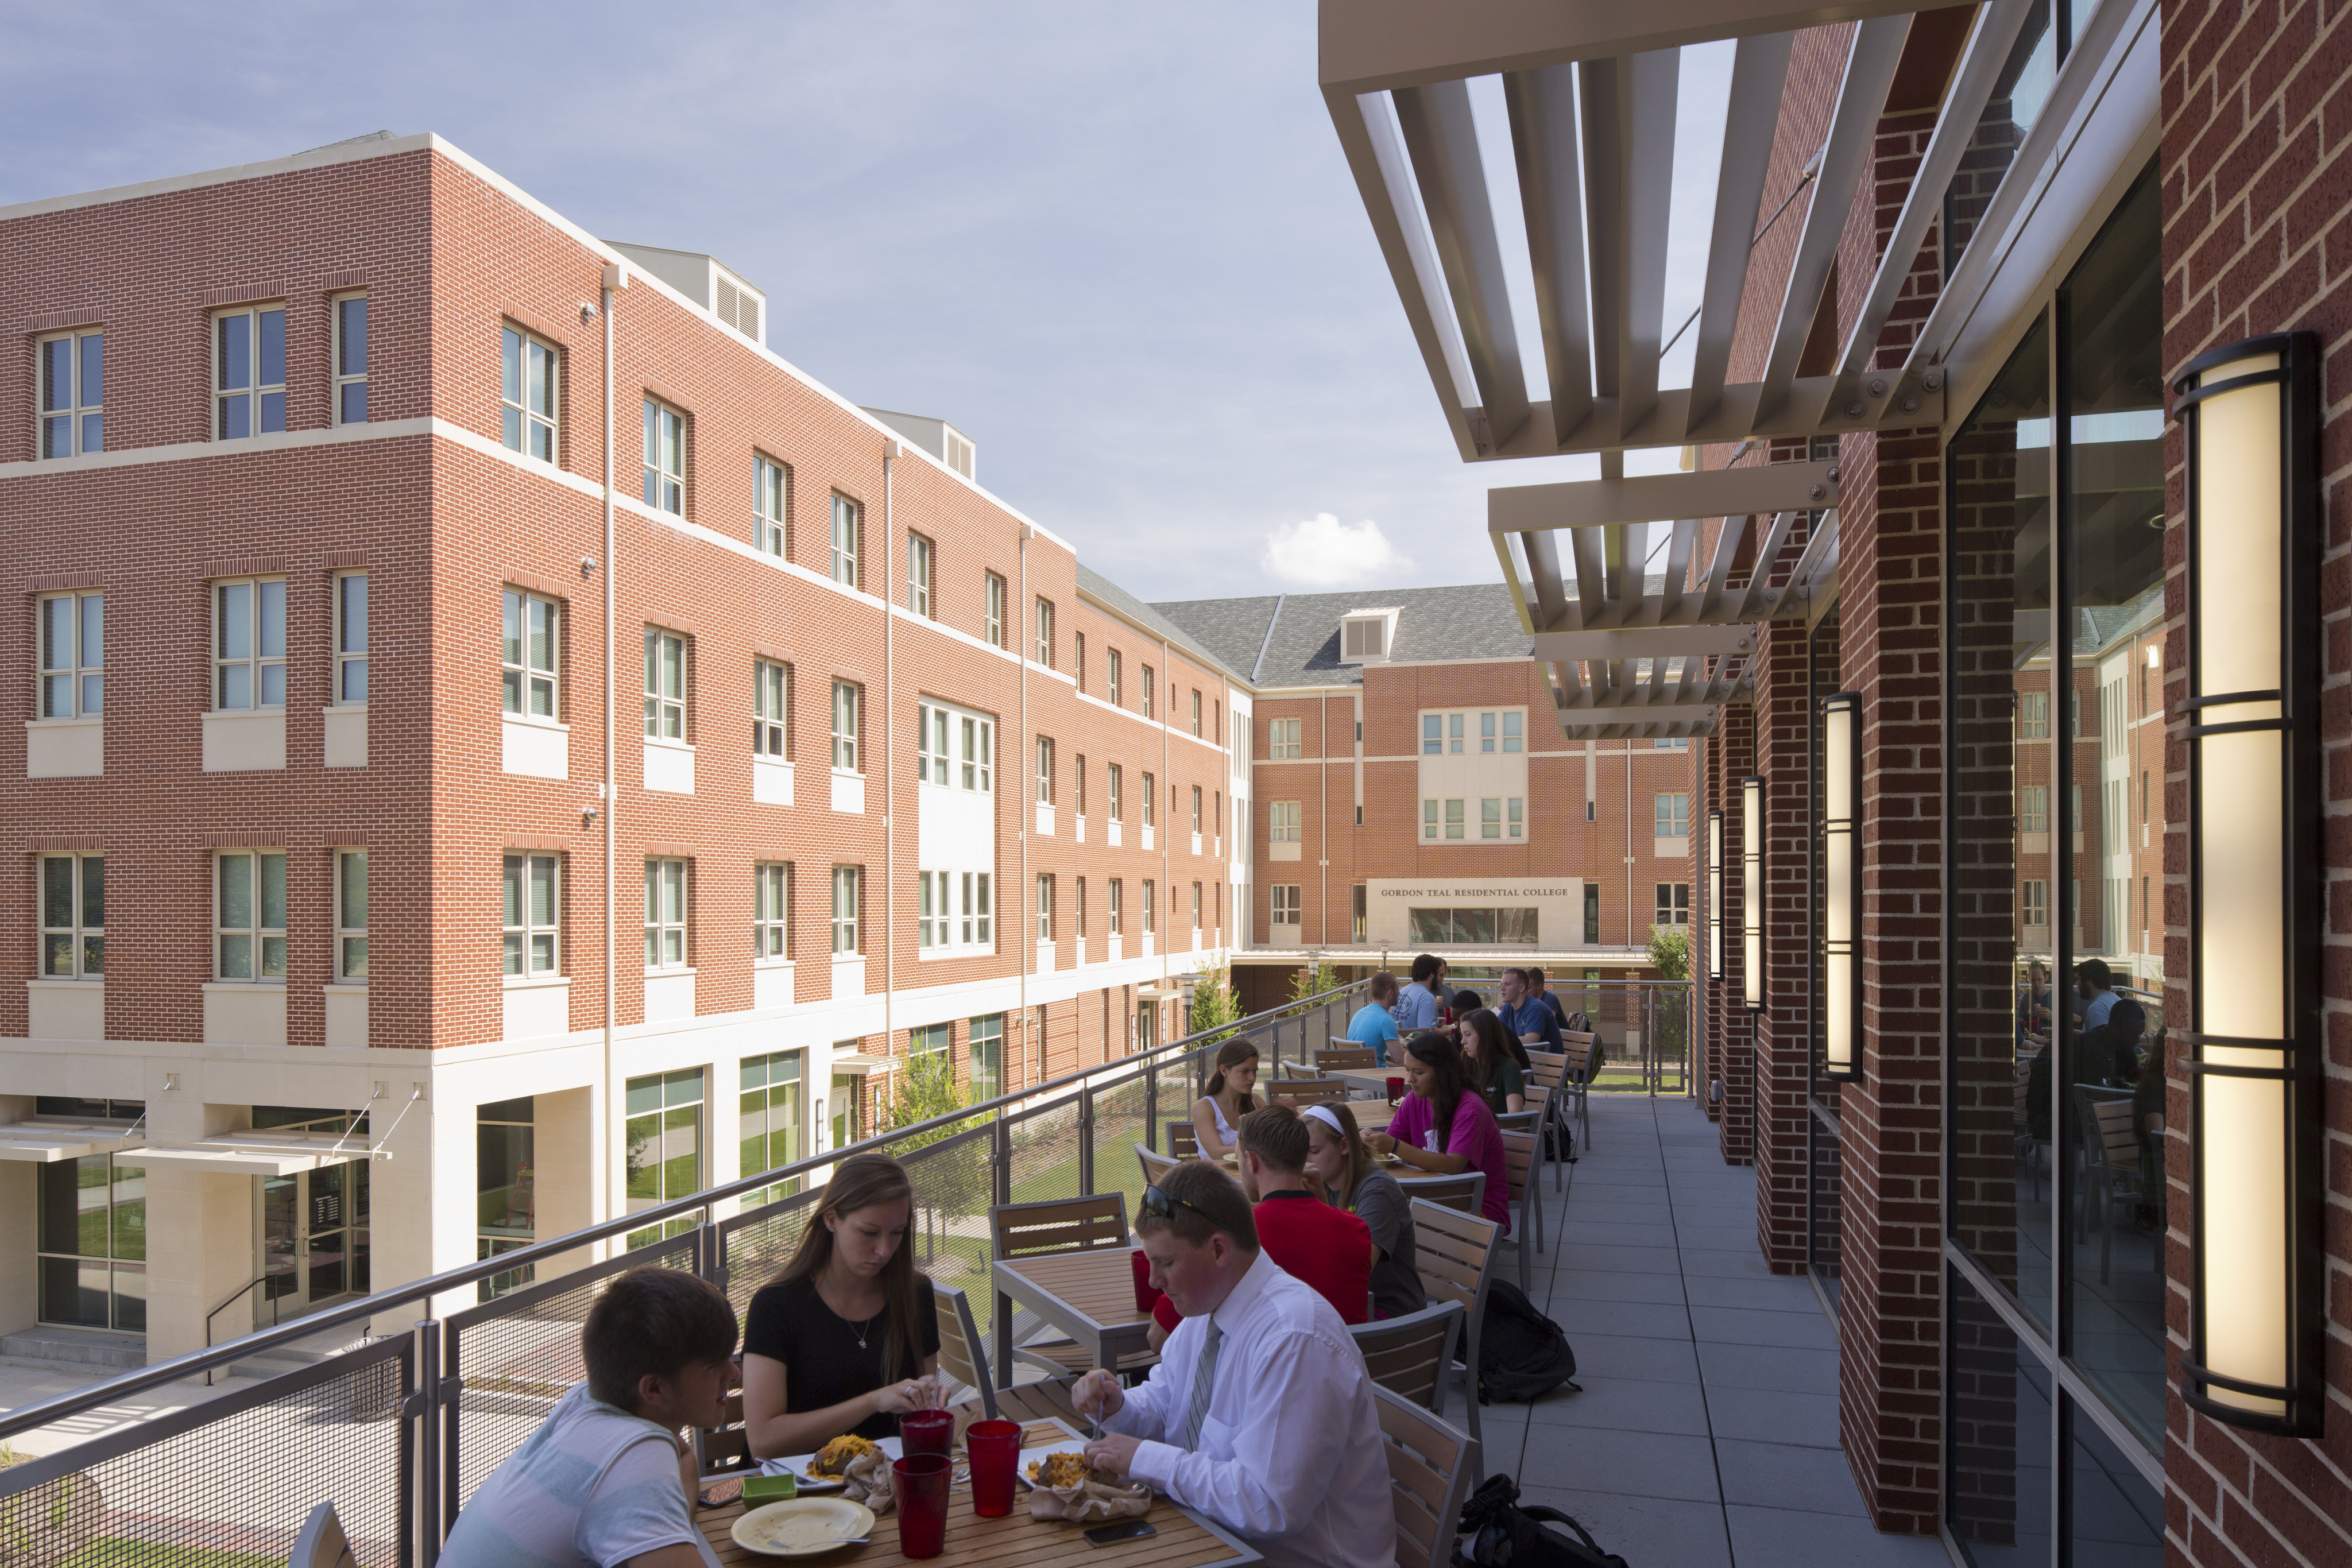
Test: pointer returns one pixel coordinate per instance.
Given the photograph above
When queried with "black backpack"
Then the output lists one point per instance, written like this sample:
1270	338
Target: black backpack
1504	1536
1522	1354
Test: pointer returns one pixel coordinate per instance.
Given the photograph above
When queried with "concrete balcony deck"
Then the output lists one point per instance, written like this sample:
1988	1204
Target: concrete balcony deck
1706	1433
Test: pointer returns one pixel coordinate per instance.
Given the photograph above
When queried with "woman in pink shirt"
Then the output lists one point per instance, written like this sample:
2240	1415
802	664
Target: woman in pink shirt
1445	1129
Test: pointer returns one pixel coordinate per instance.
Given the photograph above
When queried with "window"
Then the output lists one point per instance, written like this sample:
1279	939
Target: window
1196	810
530	905
919	575
1151	802
1358	915
2033	809
1116	909
349	349
2074	809
1079	782
1364	637
1671	813
1490	817
993	626
975	927
1429	819
250	920
73	656
1196	906
527	652
2036	904
772	689
848	892
978	737
1672	904
351	915
1454	733
987	1045
505	1201
1150	907
1454	823
1044	771
2034	716
73	394
1487	740
1082	910
666	915
768	1121
249	372
2075	715
1149	687
933	913
351	679
250	644
1115	661
663	1135
772	910
1283	740
1282	823
665	458
1116	783
847	700
1513	741
664	684
73	917
930	745
527	394
1433	734
1286	904
1045	907
769	480
1196	710
1078	657
1514	817
1473	926
1046	633
1671	743
92	1245
930	1040
1591	925
845	541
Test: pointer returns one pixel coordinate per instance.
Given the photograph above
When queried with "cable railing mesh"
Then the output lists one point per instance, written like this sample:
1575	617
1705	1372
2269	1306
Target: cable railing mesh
1118	1128
954	1180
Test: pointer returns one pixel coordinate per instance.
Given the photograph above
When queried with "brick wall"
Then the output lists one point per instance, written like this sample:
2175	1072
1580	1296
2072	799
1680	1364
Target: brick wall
1783	1046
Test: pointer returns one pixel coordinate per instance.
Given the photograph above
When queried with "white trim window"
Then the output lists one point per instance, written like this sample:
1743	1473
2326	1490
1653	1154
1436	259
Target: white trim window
352	916
979	749
250	644
1115	783
1150	907
530	906
1671	809
73	917
248	372
249	915
1114	673
1151	802
351	681
1149	687
771	707
848	698
1045	770
769	486
1196	710
772	910
919	555
1045	907
930	745
1282	823
665	458
1114	910
527	655
527	401
72	655
992	622
72	416
848	893
931	915
349	349
978	919
1282	738
665	914
1196	808
1046	633
1284	904
664	684
843	541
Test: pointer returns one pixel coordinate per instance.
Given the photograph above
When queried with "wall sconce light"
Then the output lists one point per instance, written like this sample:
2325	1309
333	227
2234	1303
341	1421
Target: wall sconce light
1715	894
1752	890
2249	415
1841	884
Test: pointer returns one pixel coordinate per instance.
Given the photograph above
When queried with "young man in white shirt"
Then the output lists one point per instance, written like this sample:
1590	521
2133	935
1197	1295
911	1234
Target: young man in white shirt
604	1480
1260	1413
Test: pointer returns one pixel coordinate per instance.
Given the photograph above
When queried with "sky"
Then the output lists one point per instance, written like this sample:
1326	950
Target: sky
1118	245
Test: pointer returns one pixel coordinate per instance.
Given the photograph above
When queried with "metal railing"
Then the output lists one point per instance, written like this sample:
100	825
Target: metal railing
399	1431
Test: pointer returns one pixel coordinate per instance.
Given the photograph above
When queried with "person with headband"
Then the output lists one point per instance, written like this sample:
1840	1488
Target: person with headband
1342	1170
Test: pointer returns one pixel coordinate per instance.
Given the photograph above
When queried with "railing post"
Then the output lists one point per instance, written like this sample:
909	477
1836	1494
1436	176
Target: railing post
426	1503
1086	1139
1151	1107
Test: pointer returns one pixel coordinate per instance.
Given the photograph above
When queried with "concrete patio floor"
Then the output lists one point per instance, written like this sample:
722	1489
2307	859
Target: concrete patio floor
1706	1433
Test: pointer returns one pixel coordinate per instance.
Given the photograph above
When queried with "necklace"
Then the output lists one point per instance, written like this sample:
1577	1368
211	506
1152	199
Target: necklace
861	1330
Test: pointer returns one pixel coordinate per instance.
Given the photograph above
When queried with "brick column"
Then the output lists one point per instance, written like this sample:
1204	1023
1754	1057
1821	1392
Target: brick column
1736	1064
1783	1035
1710	792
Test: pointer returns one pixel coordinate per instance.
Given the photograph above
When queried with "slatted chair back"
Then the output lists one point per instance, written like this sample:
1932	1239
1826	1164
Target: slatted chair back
726	1448
1577	1050
1154	1166
321	1543
1465	1192
2116	1139
1183	1140
1409	1356
1350	1057
1058	1225
1520	1154
1295	1091
1581	1054
1454	1254
962	1356
1430	1467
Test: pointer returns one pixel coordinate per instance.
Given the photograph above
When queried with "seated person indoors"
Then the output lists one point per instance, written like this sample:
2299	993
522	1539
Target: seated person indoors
1259	1414
1373	1024
1525	1017
1497	1065
605	1479
1342	1170
1219	1110
1443	1127
847	1339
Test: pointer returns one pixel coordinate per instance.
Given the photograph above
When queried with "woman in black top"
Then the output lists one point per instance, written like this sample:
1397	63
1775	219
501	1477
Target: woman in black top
847	1337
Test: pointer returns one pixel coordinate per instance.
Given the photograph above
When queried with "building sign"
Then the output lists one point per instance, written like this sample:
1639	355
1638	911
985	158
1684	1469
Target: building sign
1476	912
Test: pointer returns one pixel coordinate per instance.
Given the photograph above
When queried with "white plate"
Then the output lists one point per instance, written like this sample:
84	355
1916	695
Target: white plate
798	1465
1029	1456
802	1526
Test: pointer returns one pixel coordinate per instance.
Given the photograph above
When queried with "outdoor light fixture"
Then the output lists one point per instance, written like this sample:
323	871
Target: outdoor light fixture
1715	894
2249	415
1841	884
1751	892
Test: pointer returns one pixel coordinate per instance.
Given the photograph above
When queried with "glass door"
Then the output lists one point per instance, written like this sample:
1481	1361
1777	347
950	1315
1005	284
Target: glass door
311	1233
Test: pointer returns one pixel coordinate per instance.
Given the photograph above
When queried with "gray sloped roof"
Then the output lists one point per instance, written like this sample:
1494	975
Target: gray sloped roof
1473	620
1096	585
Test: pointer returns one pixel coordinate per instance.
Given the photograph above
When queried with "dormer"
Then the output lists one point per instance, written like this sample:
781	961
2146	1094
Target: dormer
1366	636
936	437
705	281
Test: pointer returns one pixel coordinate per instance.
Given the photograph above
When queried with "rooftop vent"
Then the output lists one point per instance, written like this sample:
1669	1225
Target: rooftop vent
1366	636
936	437
703	279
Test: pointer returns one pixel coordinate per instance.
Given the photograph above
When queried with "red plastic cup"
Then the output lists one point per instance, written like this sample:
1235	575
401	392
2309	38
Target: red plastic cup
922	1485
1396	1090
927	1432
995	1447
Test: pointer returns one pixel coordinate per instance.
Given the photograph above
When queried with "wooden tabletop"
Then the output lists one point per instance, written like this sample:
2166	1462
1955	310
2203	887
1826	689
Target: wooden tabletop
1097	1284
1375	1079
1185	1540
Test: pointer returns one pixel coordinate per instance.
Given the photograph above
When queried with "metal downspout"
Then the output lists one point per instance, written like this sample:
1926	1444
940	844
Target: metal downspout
890	449
616	278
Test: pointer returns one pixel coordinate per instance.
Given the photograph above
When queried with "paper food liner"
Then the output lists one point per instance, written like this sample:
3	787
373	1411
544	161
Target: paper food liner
1090	1502
866	1479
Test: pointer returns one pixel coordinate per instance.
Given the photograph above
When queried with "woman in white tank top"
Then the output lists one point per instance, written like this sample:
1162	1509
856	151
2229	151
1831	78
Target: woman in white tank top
1217	1112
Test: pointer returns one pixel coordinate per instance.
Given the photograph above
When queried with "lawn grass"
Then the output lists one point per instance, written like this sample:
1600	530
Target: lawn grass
116	1552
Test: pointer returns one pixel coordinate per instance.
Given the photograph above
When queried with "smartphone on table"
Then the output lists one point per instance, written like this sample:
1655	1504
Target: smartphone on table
1124	1530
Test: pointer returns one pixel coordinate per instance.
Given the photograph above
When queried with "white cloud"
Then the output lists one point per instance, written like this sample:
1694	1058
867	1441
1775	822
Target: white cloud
1324	552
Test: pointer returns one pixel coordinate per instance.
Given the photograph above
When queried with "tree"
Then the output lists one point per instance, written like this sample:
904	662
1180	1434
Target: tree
924	1089
1313	980
1670	955
1670	951
1215	1003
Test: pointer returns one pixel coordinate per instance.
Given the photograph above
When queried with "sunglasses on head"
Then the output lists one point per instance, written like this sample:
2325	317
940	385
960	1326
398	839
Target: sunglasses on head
1158	1205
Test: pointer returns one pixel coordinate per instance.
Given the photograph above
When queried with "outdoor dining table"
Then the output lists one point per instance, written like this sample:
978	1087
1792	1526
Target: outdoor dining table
1185	1539
1089	1295
1361	1079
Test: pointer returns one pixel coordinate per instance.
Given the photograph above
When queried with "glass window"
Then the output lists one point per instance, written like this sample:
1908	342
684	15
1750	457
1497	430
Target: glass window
351	352
1487	738
1196	711
934	913
1196	809
73	917
1997	1427
506	1186
918	574
530	914
1429	819
975	927
1512	738
978	737
1046	906
845	541
845	703
665	458
992	629
1672	904
666	915
351	681
987	1047
1044	771
1282	823
1151	802
527	394
769	480
772	911
1514	814
1151	686
2019	93
92	1244
1046	633
249	372
663	1136
2113	1515
1359	913
1284	904
771	686
351	914
72	371
72	655
1116	778
1433	734
1115	663
846	897
1116	909
664	684
1150	907
930	744
249	922
1490	817
768	1121
527	655
249	649
1454	820
1453	722
1283	738
1672	812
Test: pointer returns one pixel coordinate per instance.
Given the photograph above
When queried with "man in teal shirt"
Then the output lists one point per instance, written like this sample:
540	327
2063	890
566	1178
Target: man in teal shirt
1372	1025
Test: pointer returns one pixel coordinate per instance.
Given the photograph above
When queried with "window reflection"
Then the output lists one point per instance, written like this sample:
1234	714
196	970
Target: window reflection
1997	1494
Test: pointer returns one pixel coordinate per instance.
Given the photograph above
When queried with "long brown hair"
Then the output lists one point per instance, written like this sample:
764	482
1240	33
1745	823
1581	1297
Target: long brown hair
1233	1053
1359	1155
1443	1055
1495	1044
864	1181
